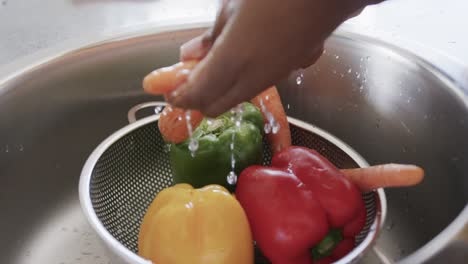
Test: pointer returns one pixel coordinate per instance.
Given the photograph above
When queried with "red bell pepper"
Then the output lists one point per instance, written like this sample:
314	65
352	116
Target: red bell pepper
302	208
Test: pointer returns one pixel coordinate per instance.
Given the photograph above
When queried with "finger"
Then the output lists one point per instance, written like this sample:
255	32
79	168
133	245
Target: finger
197	48
312	56
212	77
252	80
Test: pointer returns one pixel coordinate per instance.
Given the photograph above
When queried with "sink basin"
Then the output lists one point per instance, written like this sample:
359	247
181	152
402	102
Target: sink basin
387	104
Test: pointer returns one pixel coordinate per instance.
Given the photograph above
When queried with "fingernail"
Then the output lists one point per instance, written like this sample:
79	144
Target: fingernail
193	49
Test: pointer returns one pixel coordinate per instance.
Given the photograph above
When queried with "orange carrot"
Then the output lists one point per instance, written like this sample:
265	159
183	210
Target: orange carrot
173	125
165	80
269	101
387	175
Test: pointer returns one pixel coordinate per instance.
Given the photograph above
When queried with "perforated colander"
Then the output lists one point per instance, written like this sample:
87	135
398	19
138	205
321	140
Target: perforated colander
126	171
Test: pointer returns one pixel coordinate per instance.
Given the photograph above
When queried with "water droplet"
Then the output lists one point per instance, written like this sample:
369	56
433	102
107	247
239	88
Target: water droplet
341	75
267	128
337	57
409	100
231	145
362	59
350	70
390	225
238	123
334	71
299	79
233	162
361	88
21	147
209	121
179	118
193	143
368	58
7	149
275	127
158	109
232	178
193	146
174	93
288	106
358	76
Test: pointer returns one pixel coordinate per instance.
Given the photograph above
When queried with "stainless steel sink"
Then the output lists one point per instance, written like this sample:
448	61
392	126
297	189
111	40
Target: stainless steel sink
385	103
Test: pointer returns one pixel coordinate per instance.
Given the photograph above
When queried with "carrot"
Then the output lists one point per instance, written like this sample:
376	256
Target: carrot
387	175
173	124
269	101
165	80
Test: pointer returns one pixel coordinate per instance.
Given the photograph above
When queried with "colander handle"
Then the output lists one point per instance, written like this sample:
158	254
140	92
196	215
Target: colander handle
131	115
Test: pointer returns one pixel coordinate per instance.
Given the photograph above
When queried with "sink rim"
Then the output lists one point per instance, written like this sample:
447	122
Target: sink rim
458	86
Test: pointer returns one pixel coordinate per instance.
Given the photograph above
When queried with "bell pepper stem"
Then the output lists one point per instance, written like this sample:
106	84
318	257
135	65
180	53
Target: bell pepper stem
326	246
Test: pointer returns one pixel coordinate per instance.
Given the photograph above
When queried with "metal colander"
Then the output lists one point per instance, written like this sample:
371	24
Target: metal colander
124	174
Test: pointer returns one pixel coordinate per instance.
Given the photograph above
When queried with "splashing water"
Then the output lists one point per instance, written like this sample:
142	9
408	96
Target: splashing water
237	119
166	110
232	178
267	128
193	143
158	109
272	126
300	78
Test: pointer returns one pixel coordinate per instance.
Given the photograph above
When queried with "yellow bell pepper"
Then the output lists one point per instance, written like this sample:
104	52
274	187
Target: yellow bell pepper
197	226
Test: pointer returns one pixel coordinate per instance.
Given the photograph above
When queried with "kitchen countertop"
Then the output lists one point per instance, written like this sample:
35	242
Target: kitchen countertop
30	26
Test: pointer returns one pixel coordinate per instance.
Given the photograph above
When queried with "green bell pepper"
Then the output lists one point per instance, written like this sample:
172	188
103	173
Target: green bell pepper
211	162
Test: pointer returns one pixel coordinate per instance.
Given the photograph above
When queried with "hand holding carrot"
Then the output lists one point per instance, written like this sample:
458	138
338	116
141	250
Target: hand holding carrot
254	44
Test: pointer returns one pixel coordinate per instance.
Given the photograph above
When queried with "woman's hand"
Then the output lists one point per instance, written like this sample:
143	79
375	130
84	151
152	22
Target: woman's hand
253	45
